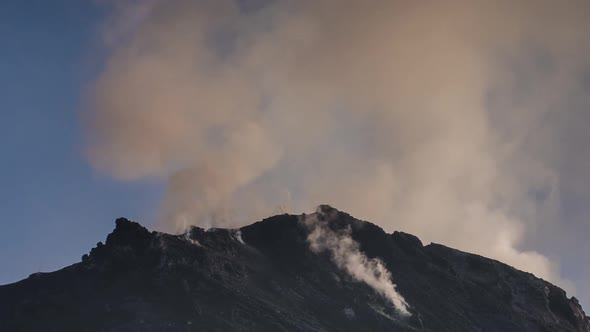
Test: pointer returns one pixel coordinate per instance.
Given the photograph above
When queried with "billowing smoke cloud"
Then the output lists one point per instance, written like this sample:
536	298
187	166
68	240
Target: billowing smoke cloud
451	120
345	252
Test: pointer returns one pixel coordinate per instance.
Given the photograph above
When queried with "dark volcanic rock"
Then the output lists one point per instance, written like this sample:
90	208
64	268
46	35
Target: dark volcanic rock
264	277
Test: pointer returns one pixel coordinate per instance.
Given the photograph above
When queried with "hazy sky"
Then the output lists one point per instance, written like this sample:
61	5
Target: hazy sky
463	123
53	207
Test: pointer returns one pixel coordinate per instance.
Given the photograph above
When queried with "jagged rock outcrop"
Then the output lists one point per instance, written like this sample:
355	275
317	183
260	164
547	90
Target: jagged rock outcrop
264	277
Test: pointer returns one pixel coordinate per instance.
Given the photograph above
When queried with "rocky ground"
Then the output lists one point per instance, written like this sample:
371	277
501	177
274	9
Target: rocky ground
265	277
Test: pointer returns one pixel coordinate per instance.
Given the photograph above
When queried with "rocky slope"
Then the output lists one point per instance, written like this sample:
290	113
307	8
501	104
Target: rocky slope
266	277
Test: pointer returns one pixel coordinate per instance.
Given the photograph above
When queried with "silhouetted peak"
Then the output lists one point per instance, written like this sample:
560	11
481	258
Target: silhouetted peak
408	242
127	226
265	277
127	232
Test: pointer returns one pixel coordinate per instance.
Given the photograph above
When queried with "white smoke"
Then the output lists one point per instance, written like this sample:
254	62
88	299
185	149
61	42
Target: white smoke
346	254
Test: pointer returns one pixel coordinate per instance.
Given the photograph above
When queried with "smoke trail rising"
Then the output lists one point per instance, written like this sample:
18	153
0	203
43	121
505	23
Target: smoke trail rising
451	121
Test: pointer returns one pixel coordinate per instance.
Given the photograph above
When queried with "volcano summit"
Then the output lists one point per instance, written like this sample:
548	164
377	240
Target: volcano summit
326	271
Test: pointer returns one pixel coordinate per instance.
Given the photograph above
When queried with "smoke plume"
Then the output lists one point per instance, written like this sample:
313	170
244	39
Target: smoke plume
345	252
451	120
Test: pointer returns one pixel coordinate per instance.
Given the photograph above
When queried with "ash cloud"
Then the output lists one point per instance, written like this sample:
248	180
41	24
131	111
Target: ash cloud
454	121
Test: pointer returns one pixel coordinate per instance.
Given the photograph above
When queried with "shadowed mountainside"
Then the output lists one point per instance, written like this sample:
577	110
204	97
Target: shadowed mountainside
264	277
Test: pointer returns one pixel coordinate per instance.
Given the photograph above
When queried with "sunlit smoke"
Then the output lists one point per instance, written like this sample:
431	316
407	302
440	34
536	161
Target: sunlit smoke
448	120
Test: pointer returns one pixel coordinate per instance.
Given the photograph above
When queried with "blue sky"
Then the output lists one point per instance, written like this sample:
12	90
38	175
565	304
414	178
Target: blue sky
53	206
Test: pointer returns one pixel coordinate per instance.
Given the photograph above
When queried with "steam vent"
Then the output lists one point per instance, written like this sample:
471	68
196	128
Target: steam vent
325	271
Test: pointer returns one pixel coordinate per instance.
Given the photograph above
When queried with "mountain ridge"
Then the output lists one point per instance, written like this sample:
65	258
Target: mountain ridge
265	276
